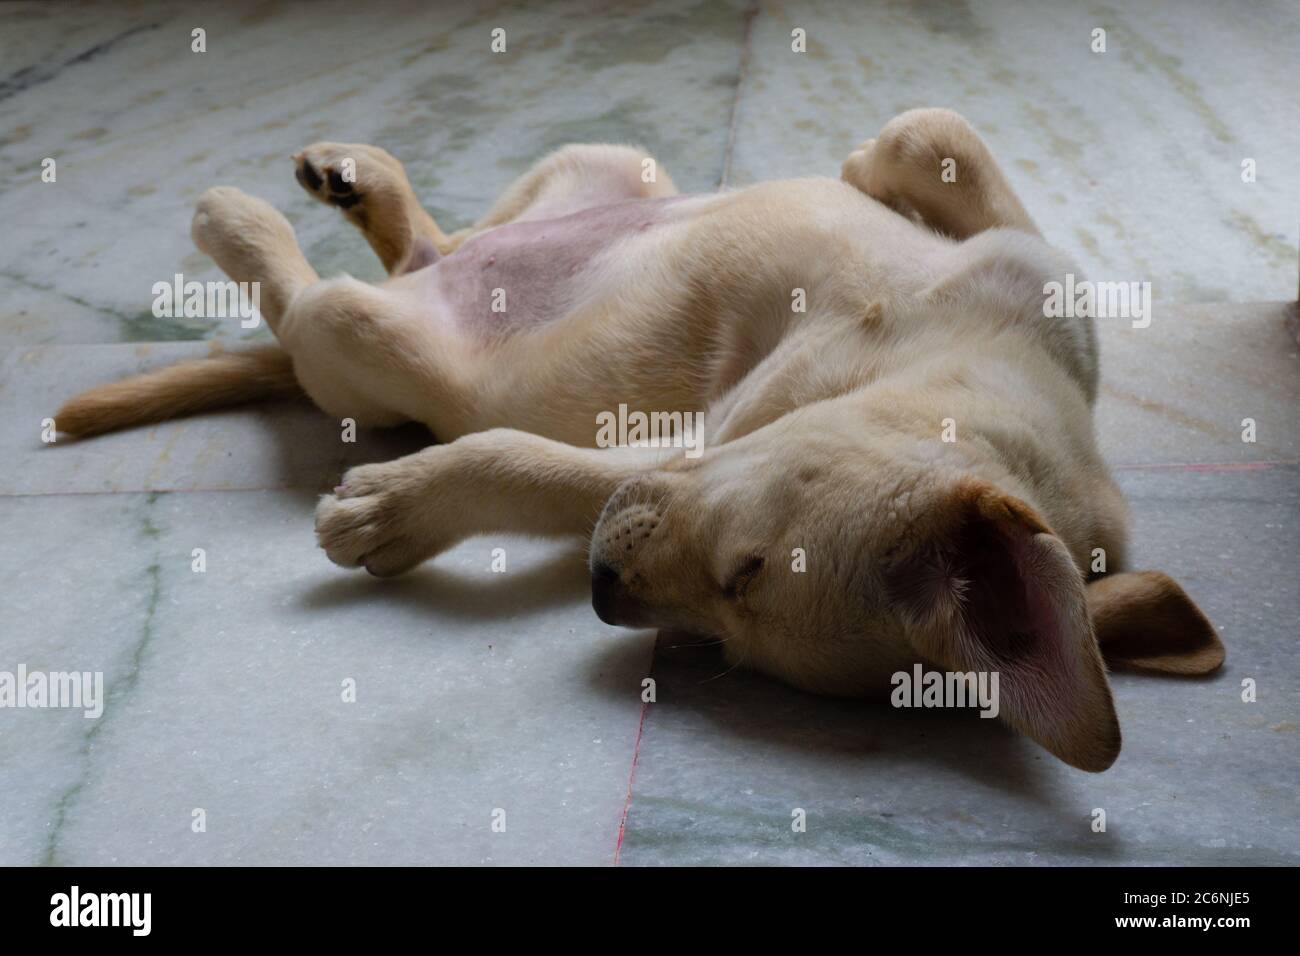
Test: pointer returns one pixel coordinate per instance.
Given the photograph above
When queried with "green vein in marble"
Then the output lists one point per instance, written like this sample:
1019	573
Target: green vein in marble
141	327
146	327
343	250
1061	146
622	123
1280	250
1170	67
947	18
696	833
115	692
650	39
1088	241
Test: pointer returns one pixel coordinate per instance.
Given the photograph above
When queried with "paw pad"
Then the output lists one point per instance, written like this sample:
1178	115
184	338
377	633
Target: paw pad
330	187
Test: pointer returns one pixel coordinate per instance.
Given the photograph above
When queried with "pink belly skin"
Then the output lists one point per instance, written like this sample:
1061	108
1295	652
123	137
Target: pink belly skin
534	271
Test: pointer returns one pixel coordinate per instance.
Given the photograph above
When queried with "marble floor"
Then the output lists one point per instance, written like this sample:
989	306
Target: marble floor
306	715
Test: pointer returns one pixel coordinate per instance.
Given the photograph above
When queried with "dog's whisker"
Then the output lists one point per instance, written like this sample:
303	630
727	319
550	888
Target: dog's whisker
721	640
723	674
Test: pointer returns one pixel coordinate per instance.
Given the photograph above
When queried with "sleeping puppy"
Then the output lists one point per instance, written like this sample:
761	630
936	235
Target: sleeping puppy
898	460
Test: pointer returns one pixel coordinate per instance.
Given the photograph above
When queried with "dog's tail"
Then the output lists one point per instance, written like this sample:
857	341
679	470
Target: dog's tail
219	381
1144	621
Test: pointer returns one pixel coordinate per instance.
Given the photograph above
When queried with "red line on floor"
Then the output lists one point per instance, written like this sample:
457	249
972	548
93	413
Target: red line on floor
631	779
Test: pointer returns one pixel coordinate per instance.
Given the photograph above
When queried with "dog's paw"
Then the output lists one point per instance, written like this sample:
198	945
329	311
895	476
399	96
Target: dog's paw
345	174
860	169
233	228
328	171
384	518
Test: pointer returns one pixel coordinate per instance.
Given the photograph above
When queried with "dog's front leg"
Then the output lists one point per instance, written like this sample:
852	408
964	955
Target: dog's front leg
389	517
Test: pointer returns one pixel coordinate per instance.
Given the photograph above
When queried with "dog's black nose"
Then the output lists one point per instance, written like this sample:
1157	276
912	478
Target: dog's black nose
605	590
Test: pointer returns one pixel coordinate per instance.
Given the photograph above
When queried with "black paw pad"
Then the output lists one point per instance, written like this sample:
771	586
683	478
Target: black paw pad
337	183
308	176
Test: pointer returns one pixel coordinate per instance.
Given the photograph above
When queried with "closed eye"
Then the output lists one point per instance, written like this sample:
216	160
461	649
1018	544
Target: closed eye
740	578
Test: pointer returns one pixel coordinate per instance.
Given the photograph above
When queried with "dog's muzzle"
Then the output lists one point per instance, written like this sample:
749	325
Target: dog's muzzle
611	600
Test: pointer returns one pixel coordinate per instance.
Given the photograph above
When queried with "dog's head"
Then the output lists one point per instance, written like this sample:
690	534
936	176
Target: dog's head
833	563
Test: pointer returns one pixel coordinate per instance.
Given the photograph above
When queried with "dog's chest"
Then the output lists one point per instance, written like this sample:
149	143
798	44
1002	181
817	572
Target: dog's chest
526	273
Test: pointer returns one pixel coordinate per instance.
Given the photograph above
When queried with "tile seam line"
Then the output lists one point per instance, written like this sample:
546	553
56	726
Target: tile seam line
160	491
1139	466
1207	465
751	14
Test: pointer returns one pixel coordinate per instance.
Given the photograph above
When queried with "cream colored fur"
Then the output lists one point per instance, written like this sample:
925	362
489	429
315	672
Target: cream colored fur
828	534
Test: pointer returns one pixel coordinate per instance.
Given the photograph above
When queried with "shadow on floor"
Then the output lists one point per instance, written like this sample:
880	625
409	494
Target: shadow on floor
695	687
560	579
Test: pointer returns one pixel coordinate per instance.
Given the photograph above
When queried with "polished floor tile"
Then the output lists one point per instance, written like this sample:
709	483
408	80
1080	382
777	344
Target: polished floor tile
726	758
421	80
1203	383
285	444
474	692
1130	160
479	692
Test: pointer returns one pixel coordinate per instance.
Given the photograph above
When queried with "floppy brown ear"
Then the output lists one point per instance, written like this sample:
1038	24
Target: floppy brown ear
1144	621
994	590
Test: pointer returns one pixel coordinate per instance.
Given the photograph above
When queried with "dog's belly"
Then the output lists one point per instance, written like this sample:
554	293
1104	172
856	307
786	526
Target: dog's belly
526	273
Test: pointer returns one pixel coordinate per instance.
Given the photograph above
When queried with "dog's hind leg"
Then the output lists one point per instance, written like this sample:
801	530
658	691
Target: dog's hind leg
576	177
252	242
359	351
932	161
377	355
372	354
369	186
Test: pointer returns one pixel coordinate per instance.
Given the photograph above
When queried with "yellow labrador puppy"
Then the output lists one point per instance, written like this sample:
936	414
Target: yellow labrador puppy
898	459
